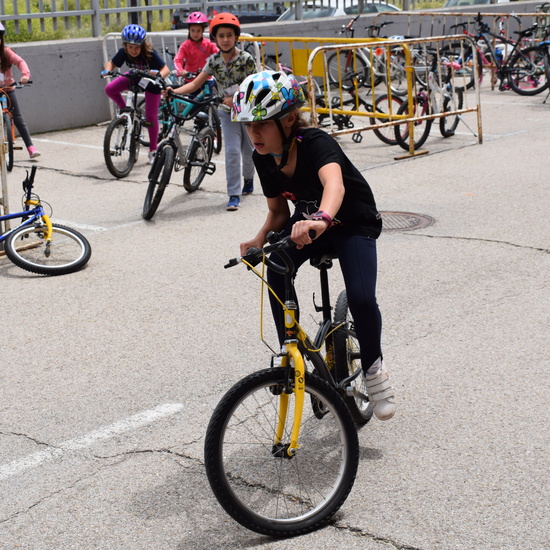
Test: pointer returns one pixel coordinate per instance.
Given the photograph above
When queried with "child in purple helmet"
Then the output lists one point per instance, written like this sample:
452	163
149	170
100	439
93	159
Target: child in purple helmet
8	58
194	52
139	54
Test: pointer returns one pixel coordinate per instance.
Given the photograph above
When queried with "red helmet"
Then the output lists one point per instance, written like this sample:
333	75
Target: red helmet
225	20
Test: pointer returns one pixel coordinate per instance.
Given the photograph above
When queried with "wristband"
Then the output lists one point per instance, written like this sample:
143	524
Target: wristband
322	216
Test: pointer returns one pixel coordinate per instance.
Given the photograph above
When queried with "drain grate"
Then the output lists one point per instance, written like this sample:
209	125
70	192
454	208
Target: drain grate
404	221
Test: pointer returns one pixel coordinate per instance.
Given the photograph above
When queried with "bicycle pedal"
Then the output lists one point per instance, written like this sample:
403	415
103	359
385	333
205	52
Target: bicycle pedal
357	137
209	168
16	148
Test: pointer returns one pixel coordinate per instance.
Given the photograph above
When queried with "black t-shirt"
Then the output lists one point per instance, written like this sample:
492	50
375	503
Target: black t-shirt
358	213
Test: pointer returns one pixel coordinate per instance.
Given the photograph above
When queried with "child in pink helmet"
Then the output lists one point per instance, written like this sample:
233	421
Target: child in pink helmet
194	52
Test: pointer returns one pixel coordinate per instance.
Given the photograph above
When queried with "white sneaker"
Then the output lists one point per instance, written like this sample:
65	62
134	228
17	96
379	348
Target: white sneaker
151	157
381	394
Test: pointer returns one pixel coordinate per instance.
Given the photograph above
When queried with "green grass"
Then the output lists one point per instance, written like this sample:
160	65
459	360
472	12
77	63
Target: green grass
71	30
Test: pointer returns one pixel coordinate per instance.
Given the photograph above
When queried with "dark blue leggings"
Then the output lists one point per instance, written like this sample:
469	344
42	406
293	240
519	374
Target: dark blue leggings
18	120
357	257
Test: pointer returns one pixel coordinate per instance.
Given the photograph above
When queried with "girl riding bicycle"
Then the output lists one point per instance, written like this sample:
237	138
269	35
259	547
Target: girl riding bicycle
229	67
139	54
8	58
307	166
194	52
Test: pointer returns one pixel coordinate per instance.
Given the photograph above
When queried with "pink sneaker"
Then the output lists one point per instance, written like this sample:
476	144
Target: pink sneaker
33	152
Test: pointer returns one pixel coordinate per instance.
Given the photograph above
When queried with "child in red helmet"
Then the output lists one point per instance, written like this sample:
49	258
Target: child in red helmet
229	67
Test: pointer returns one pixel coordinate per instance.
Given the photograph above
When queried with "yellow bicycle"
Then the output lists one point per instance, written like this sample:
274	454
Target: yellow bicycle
281	448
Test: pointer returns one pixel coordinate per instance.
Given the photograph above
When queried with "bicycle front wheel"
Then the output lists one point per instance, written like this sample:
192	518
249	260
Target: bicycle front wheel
8	141
421	127
251	474
526	71
159	177
347	361
198	162
119	147
67	252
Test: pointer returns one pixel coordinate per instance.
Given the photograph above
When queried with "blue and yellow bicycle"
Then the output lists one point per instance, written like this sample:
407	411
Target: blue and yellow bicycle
37	244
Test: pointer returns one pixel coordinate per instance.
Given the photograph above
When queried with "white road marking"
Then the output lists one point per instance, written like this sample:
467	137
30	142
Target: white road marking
132	423
70	143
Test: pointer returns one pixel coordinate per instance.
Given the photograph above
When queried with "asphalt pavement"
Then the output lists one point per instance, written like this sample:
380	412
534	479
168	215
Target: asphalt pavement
109	376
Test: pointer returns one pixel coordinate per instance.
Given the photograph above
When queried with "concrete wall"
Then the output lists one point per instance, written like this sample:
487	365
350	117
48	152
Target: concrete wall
69	93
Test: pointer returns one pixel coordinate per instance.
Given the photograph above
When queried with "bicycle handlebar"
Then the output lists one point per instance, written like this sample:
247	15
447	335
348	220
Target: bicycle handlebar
29	180
254	255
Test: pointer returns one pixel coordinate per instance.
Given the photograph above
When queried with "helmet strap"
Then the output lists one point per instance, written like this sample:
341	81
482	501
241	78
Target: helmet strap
288	143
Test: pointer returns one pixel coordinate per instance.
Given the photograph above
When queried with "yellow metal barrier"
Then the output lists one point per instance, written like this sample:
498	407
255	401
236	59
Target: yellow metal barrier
345	100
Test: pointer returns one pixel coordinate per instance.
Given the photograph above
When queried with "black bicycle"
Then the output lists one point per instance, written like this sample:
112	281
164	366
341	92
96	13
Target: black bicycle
124	133
524	68
281	448
194	159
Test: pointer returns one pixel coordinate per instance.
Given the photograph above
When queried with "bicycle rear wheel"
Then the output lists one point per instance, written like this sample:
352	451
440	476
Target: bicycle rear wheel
448	124
346	67
217	128
382	105
119	147
159	177
347	361
252	476
8	141
198	162
421	127
68	251
526	71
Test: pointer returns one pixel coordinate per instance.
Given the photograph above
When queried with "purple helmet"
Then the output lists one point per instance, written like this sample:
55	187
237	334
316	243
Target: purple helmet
197	18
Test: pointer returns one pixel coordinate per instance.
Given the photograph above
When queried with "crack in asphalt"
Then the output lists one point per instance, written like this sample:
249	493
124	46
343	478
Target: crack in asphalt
29	438
365	534
479	239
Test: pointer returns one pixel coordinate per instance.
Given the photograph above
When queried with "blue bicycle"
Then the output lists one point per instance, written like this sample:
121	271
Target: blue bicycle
37	244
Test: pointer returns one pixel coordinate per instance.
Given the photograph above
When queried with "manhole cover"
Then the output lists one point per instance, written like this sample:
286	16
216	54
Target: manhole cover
404	221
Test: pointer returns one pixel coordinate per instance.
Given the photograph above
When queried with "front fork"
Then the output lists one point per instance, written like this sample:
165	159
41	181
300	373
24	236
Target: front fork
293	354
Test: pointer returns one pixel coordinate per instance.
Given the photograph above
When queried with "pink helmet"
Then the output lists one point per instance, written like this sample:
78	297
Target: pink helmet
197	18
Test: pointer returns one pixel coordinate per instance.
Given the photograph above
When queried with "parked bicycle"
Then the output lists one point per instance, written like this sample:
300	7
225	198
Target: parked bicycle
344	111
194	159
9	126
124	133
281	448
439	96
370	64
523	69
37	244
209	88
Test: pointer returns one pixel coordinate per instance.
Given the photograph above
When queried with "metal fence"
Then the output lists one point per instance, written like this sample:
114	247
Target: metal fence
98	17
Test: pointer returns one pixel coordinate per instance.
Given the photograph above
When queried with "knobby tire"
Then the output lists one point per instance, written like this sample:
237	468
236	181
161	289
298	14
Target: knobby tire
159	177
119	148
347	360
199	156
255	481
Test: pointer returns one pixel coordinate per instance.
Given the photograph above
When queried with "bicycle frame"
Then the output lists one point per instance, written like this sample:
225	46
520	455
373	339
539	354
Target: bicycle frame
297	346
29	215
